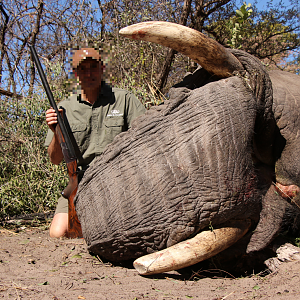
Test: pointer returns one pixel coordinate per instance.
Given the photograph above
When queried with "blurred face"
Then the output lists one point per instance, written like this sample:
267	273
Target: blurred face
89	72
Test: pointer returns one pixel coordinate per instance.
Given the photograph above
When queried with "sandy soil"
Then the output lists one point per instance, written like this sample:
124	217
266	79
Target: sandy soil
35	266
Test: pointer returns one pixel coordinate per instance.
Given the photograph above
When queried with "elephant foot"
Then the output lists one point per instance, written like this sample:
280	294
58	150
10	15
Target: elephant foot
201	247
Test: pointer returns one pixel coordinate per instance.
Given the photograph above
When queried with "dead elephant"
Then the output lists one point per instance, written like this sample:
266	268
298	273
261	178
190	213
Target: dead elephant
219	159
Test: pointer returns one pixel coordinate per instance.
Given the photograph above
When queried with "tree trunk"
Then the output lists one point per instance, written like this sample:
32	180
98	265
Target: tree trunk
3	32
171	53
201	11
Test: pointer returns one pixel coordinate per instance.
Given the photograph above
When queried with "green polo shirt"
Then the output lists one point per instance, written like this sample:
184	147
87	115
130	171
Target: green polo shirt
95	126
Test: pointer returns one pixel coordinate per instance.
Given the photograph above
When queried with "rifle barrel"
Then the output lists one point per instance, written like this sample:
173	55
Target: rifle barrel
47	89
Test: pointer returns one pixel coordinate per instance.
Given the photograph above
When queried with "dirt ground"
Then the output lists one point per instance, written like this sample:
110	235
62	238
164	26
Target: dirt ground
35	266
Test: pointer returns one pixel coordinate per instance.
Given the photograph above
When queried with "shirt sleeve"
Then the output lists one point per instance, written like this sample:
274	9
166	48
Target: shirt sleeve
134	108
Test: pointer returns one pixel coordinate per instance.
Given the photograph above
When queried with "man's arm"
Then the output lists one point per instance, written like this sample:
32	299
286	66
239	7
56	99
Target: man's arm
134	108
54	151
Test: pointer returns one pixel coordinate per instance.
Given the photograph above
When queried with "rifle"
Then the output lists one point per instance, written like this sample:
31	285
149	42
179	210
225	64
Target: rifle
74	227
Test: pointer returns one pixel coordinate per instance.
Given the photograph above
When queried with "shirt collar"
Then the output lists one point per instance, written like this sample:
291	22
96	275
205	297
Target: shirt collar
105	93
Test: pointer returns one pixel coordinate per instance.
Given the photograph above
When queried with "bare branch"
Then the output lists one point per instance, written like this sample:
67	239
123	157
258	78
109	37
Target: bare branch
10	94
33	40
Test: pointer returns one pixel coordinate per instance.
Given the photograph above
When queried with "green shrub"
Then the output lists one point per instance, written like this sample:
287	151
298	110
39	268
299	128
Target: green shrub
29	182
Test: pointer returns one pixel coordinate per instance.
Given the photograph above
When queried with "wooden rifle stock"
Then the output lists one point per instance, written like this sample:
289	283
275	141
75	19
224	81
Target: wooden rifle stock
74	227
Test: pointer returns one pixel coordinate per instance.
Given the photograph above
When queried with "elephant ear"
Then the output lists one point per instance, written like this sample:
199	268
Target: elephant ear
286	107
275	209
260	83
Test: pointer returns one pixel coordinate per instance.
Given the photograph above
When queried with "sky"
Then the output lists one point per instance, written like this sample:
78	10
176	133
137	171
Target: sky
262	4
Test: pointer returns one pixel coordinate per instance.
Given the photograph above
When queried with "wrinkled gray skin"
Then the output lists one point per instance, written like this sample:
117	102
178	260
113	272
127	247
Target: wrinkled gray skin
207	156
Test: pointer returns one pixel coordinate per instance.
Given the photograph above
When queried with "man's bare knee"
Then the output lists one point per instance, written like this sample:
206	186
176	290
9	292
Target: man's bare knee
59	225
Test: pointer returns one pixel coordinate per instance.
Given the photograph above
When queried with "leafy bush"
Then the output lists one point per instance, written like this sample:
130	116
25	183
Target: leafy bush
29	182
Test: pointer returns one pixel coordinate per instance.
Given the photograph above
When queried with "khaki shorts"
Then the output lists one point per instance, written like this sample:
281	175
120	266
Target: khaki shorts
62	205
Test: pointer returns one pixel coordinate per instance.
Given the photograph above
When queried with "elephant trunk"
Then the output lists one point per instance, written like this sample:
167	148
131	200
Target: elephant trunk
212	56
203	246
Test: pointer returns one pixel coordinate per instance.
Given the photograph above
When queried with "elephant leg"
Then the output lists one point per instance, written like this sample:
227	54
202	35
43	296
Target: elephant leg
203	246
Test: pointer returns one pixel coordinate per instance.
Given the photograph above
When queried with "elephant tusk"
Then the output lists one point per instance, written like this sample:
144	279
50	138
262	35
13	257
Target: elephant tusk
212	56
203	246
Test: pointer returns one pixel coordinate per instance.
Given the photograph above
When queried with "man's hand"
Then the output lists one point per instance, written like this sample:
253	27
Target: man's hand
51	118
54	149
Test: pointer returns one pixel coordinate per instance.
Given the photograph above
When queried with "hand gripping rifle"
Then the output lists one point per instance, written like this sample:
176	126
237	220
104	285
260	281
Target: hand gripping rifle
74	227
